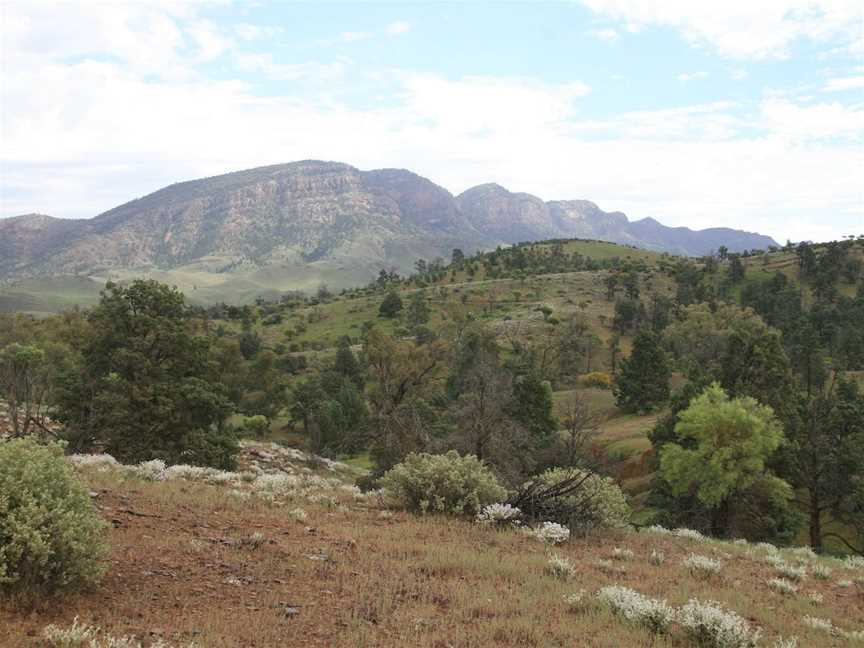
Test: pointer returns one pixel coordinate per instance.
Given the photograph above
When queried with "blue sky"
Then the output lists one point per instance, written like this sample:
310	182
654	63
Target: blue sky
740	114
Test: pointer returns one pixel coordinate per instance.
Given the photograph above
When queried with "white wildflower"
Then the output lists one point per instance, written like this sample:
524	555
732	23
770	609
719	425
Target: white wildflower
552	533
153	470
560	567
609	567
298	514
656	615
706	623
822	625
659	530
821	572
791	642
657	557
500	515
815	598
792	573
702	566
576	601
72	637
622	554
782	586
689	534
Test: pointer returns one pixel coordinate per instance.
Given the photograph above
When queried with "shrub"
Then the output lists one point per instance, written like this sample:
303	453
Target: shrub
782	586
551	533
622	554
702	566
598	502
560	567
656	615
708	625
444	483
821	572
51	538
499	515
576	601
598	379
792	572
657	557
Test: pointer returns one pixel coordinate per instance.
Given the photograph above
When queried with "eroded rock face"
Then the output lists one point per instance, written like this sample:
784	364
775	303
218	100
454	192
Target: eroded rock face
299	223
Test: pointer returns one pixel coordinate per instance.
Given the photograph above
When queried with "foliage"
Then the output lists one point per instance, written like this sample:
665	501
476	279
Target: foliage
656	615
598	380
722	450
145	387
578	498
642	382
51	537
708	625
447	483
391	306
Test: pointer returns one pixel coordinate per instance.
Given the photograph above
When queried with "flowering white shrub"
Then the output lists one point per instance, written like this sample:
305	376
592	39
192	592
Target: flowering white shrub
854	562
707	624
821	572
87	636
657	557
702	566
844	583
782	586
101	462
775	561
805	553
500	515
740	542
609	567
560	567
659	530
622	554
822	625
446	483
791	642
689	534
299	514
72	637
153	470
656	615
766	546
577	601
552	533
815	598
792	572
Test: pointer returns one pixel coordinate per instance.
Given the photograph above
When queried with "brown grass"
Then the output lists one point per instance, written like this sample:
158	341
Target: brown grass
178	572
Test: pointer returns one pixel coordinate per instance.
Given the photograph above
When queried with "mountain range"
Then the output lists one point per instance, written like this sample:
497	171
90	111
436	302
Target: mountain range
293	226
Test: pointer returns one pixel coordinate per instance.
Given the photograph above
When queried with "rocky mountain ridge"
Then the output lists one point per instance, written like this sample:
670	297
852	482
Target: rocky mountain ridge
306	222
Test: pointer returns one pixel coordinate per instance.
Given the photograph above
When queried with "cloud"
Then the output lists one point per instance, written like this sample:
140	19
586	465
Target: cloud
398	27
96	131
745	29
354	36
606	35
847	83
684	77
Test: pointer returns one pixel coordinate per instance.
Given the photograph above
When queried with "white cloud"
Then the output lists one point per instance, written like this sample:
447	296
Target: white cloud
745	28
354	36
91	134
691	76
847	83
607	35
398	27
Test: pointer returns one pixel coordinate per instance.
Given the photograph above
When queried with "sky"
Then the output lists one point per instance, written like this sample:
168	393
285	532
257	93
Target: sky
735	113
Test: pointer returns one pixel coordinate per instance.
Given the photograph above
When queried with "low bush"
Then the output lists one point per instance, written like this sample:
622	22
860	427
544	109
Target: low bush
446	483
656	615
597	379
51	537
589	501
708	625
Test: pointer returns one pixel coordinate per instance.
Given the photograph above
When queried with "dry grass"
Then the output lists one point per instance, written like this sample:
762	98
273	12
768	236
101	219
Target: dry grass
348	577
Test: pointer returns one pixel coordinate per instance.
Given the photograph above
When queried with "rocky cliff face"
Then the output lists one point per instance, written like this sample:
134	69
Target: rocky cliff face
309	219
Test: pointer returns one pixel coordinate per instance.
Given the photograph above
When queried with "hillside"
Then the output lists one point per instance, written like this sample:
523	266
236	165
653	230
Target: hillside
295	226
222	562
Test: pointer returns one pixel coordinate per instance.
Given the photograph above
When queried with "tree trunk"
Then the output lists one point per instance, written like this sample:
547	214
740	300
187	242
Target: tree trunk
816	526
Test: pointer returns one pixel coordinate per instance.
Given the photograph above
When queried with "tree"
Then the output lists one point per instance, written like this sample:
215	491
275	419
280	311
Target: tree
418	310
346	363
24	385
730	444
642	382
580	427
736	270
391	306
145	388
457	257
825	454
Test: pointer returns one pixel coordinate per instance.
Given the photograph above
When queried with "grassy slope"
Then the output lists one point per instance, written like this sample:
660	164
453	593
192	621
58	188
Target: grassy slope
178	573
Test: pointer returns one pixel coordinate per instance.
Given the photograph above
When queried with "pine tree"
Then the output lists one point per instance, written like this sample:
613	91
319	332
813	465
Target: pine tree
643	380
391	306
